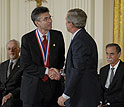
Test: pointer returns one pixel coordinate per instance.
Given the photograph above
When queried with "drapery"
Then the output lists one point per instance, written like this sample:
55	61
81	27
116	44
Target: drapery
118	30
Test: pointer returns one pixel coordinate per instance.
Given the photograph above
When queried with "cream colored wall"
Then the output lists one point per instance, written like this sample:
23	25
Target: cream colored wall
107	25
15	20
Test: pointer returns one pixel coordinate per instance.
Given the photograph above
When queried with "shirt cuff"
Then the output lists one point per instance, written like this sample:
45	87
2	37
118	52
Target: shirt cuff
65	96
108	104
46	72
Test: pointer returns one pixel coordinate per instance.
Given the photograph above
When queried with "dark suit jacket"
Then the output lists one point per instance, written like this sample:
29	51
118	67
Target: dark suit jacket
33	89
81	71
115	93
13	82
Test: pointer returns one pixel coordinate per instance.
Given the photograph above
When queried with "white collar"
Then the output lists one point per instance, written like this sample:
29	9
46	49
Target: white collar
115	67
41	35
75	33
14	61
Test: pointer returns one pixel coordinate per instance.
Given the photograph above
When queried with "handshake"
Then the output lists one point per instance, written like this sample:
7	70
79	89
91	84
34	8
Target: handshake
54	74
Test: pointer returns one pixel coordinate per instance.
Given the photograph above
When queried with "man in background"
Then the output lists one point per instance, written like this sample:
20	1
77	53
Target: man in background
81	89
42	50
111	78
10	77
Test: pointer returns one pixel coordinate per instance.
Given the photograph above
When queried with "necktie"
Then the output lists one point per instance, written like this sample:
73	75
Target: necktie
112	74
10	69
45	46
44	43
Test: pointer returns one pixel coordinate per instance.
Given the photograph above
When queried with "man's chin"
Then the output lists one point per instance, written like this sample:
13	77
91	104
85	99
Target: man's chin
11	56
110	62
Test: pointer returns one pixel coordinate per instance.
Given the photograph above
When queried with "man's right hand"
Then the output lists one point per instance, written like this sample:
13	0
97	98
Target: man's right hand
103	105
99	105
54	74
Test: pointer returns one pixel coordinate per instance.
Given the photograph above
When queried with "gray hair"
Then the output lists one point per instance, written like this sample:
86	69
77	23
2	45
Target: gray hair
78	17
13	40
36	12
118	48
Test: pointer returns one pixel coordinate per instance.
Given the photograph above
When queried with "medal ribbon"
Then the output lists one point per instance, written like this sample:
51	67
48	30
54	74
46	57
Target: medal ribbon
44	55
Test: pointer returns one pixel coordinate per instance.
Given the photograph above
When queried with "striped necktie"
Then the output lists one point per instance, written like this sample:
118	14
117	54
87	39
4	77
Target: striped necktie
112	74
44	43
10	69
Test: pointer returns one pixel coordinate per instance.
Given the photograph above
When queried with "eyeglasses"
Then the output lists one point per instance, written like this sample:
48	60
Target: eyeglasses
46	18
13	48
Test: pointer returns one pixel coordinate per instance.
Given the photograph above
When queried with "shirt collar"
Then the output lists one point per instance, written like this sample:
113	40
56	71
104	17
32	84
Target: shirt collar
116	66
41	35
14	61
75	33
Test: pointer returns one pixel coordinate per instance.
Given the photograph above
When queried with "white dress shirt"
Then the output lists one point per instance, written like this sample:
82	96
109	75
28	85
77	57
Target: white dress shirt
109	73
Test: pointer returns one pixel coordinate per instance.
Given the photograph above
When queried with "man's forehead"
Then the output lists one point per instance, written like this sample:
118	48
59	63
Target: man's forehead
44	14
111	48
12	44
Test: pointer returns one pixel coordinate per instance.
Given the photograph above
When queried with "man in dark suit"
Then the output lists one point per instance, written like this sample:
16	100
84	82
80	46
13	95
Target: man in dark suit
111	78
10	77
41	84
81	64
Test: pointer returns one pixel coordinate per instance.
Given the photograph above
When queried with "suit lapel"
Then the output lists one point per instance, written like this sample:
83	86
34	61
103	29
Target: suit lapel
14	70
116	77
52	47
5	71
36	45
105	76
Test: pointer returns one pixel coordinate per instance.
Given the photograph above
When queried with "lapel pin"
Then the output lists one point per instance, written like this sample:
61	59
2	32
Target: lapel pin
54	44
18	65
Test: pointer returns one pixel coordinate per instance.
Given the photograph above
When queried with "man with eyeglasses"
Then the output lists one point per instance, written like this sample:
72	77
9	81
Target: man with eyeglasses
42	50
10	77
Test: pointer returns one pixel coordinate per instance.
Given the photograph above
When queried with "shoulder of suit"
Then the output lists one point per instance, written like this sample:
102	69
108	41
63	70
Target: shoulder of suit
121	63
56	34
104	67
7	61
56	31
18	60
29	33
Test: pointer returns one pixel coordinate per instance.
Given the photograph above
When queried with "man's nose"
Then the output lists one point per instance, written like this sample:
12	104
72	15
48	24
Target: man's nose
12	50
108	56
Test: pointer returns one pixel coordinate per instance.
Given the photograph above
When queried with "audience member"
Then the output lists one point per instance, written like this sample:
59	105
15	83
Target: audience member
10	77
112	78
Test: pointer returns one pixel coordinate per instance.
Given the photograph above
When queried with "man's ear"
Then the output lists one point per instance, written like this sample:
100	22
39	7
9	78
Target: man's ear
19	49
119	54
36	23
71	24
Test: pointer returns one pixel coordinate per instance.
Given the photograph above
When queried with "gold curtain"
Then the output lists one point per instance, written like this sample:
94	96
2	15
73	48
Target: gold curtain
119	25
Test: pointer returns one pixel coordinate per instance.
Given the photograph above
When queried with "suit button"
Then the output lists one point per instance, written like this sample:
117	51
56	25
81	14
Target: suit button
5	89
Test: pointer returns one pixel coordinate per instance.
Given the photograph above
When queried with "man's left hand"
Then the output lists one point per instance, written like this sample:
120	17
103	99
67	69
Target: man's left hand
61	101
6	97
